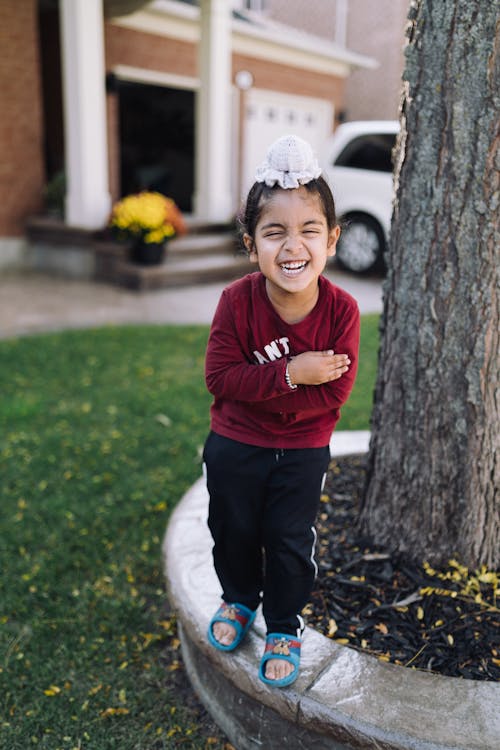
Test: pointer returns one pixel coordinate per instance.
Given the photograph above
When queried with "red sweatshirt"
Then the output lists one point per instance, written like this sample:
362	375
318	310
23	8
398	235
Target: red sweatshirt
247	353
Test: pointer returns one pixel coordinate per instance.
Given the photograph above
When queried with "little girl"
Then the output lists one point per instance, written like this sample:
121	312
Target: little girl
281	361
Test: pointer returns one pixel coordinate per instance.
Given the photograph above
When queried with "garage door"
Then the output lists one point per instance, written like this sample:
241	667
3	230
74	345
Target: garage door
269	115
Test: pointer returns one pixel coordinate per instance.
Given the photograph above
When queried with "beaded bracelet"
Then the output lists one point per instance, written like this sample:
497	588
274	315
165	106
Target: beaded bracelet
288	379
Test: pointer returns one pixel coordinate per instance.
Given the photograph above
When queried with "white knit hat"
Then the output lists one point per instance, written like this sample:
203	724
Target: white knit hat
290	162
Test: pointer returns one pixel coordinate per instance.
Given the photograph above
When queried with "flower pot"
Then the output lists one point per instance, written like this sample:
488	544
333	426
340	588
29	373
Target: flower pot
147	253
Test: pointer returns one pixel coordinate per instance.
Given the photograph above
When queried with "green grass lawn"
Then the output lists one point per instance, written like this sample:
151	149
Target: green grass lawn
101	436
356	413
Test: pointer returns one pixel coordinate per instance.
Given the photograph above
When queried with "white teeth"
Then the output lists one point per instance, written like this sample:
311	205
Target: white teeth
293	266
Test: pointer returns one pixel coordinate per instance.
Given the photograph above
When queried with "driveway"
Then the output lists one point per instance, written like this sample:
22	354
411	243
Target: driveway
35	302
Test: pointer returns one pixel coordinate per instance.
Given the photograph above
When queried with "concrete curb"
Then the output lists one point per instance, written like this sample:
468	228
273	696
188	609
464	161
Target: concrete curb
343	699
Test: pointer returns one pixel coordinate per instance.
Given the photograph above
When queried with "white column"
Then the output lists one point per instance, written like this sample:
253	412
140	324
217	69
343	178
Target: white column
213	200
88	200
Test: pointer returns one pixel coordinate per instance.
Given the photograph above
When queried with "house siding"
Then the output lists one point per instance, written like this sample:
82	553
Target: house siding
156	53
289	80
149	51
378	29
21	131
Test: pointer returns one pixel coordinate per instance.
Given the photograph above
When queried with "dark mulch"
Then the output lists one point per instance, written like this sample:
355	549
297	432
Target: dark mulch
374	600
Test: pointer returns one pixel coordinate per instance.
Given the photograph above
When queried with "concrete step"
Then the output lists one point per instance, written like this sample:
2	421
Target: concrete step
207	253
202	226
203	244
176	270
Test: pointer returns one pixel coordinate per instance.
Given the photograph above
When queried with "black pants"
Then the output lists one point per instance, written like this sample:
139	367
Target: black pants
263	505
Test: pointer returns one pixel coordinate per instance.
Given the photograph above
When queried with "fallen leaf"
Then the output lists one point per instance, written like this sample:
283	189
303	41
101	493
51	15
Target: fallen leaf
114	712
164	420
332	627
52	690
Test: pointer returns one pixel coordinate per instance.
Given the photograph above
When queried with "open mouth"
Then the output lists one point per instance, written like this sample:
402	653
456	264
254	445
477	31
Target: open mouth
292	268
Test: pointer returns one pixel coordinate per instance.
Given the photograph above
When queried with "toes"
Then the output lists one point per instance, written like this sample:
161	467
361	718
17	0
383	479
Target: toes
224	633
278	669
270	671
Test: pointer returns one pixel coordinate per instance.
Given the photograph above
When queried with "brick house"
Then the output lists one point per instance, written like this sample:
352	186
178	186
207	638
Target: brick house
176	96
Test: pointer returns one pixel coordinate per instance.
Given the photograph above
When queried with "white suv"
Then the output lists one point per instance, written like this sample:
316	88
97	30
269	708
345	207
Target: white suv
358	165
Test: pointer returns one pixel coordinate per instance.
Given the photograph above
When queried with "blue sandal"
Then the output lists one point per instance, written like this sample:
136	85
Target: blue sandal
281	646
237	615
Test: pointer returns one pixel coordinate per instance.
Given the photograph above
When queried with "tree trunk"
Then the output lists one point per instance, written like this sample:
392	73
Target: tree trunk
434	463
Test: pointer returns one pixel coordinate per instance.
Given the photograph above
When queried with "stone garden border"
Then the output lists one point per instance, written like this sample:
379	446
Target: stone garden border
342	700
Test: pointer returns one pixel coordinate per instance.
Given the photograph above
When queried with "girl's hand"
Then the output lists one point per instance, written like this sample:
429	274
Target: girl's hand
315	368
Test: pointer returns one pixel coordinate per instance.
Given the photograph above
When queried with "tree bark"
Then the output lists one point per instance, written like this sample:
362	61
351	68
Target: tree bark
434	463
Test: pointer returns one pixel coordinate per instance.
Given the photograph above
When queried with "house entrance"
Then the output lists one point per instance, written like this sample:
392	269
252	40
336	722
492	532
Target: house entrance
157	141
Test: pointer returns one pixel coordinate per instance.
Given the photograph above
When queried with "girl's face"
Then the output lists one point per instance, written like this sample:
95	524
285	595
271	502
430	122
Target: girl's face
292	241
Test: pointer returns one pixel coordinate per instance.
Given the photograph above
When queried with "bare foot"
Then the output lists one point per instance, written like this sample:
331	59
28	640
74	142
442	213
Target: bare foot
277	669
224	633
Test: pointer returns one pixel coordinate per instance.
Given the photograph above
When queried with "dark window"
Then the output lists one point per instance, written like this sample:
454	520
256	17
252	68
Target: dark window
371	151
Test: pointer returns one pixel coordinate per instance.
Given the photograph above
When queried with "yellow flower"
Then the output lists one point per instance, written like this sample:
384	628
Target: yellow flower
149	215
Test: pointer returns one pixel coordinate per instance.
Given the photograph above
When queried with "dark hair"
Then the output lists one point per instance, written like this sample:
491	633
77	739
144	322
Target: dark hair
260	193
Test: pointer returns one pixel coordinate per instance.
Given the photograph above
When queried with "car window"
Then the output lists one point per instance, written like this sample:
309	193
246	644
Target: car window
371	151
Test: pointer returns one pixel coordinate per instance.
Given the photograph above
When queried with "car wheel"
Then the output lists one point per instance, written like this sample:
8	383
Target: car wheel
361	245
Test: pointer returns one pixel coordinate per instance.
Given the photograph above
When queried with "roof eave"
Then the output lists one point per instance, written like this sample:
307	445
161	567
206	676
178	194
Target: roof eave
255	37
